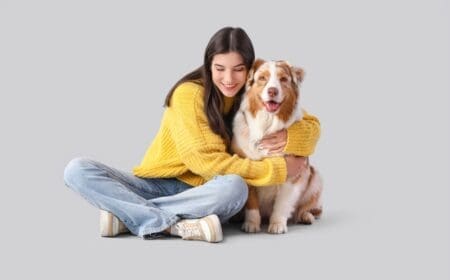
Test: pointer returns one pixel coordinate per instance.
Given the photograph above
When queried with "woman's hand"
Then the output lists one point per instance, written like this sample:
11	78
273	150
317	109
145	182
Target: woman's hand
275	142
295	165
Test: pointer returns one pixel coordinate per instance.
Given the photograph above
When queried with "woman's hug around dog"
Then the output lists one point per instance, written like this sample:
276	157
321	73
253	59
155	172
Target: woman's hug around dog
272	103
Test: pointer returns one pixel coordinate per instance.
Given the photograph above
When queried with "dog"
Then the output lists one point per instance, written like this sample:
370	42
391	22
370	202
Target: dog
271	103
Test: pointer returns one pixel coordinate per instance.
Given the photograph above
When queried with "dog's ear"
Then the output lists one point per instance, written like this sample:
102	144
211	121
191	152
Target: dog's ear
258	62
251	74
298	74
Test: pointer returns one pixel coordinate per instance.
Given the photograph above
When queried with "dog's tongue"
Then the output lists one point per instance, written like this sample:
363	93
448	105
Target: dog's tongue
272	106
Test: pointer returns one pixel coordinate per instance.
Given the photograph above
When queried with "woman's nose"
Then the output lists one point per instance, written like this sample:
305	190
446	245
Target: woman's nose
228	77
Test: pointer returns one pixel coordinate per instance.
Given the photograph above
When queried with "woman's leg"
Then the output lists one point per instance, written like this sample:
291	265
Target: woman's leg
123	194
149	206
224	196
203	208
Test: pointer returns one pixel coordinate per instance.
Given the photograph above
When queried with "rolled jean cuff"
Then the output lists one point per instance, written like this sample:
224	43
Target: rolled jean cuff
149	232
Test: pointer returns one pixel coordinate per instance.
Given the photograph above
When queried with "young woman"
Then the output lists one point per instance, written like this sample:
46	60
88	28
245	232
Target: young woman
188	183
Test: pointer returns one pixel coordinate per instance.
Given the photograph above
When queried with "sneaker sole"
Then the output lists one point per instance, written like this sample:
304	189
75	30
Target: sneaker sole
110	225
213	223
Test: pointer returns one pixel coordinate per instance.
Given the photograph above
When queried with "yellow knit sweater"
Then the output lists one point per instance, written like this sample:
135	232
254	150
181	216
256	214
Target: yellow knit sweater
186	148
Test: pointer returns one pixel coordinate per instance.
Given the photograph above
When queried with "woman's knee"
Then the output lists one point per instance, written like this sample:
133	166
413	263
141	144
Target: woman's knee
235	188
75	170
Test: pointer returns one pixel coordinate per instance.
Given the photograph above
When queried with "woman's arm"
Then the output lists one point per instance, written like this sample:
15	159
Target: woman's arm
204	152
299	139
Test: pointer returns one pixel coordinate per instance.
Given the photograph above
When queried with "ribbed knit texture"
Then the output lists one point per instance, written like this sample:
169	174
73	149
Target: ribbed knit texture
186	147
303	136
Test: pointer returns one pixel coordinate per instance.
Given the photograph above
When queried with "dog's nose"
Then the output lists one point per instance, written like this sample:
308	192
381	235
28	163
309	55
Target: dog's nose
272	91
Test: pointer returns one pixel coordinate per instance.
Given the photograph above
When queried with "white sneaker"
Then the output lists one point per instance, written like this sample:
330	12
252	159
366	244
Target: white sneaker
110	225
207	229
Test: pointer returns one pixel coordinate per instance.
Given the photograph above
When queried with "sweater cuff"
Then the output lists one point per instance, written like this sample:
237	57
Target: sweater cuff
279	175
294	139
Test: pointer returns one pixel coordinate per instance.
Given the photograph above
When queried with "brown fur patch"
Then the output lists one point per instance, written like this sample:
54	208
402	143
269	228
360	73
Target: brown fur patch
254	102
290	91
252	201
316	212
251	74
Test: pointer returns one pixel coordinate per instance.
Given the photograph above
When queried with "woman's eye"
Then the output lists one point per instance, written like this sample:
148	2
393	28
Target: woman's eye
220	69
239	69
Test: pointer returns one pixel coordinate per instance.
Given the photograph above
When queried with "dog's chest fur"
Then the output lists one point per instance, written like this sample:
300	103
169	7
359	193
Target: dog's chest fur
249	129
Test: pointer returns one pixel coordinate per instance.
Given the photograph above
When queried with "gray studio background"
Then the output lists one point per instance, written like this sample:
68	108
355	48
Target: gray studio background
88	78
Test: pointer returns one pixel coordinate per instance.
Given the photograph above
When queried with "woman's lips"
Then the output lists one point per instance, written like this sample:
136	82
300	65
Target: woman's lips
229	86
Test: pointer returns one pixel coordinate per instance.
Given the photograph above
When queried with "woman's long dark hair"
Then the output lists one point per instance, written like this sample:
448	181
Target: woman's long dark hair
225	40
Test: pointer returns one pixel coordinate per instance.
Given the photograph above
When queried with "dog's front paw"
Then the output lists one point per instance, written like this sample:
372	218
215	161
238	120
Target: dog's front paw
251	227
277	227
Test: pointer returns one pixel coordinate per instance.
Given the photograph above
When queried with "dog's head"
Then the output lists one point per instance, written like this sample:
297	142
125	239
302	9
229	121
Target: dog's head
273	86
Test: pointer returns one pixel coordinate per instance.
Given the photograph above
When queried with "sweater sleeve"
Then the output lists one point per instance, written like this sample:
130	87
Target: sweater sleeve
303	136
204	152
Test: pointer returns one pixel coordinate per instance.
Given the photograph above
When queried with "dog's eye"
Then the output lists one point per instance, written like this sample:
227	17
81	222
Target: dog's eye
262	79
284	79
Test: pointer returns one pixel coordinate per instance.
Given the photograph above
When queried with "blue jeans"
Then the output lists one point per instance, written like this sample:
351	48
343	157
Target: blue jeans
148	206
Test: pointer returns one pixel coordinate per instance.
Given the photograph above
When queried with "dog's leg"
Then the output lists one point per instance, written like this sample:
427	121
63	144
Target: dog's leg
310	211
310	206
284	205
252	221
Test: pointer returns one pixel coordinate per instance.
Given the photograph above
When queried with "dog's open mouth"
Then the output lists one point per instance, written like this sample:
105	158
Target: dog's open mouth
272	106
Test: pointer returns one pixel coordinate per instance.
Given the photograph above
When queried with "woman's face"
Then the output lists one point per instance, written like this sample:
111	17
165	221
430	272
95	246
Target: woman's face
228	73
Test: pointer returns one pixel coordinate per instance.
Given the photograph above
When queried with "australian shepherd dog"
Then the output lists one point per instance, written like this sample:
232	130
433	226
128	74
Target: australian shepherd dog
271	103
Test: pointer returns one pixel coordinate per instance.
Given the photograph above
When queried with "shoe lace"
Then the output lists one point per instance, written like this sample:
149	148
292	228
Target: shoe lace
189	230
